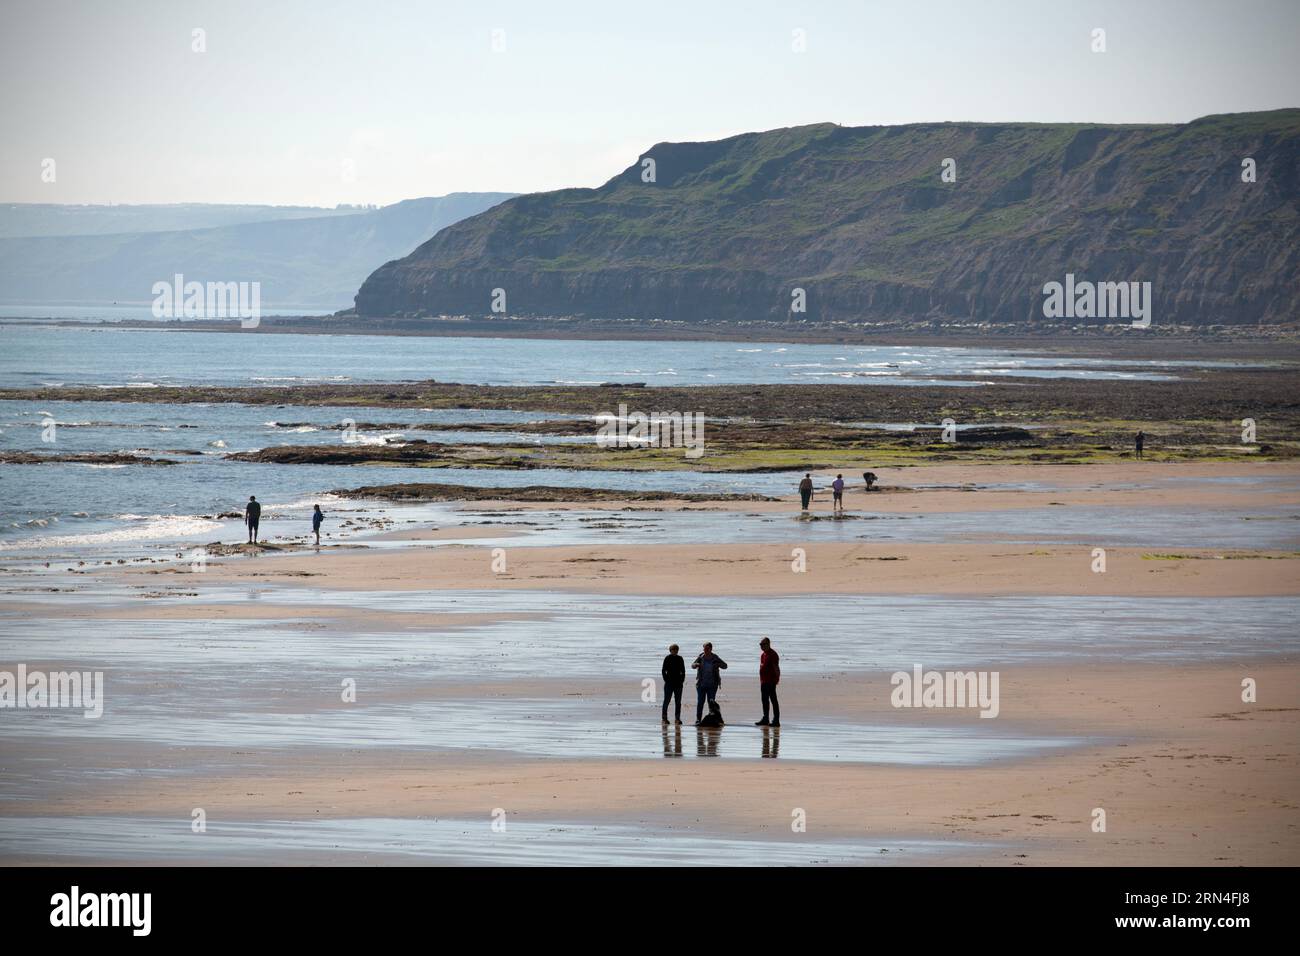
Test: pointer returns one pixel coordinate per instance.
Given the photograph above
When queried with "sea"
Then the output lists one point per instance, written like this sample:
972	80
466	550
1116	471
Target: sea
129	506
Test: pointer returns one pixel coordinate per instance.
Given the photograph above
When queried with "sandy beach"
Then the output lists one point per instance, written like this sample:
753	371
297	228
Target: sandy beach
1185	772
549	730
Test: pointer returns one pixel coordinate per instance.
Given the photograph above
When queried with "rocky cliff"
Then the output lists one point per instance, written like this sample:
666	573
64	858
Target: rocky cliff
863	220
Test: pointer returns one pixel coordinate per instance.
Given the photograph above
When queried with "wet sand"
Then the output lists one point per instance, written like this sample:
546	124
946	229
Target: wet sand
520	690
830	568
1187	775
945	489
1120	494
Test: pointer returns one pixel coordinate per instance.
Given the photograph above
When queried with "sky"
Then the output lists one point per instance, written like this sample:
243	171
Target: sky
323	102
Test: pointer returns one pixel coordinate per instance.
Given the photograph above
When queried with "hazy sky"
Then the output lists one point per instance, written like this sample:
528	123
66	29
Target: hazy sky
325	102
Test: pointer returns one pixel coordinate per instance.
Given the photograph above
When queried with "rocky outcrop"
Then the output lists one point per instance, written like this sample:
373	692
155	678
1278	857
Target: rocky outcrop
433	492
78	458
860	219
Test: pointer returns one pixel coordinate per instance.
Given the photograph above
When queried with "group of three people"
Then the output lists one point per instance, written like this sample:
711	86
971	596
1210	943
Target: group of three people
708	669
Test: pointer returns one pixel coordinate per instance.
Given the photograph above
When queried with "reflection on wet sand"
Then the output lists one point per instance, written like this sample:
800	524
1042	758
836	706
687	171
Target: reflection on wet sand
673	744
709	739
706	741
1249	525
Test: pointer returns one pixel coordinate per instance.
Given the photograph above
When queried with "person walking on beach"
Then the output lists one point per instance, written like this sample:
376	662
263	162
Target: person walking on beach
769	675
674	675
1138	442
805	490
837	494
317	516
708	678
252	515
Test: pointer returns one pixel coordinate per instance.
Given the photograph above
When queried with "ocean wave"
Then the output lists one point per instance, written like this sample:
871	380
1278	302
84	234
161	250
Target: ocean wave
883	373
300	378
324	496
34	523
364	439
141	528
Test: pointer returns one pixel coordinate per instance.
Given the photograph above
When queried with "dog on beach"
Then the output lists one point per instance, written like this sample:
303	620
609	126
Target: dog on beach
714	717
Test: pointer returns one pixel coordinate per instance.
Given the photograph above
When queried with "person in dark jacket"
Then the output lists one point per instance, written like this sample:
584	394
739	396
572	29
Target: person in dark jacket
805	491
769	675
1138	442
252	515
674	675
317	516
708	678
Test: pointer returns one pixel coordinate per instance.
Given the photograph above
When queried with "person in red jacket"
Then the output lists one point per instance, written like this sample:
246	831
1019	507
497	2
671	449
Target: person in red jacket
769	675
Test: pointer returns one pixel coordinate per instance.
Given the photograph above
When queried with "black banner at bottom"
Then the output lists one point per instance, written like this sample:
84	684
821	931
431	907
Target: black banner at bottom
334	905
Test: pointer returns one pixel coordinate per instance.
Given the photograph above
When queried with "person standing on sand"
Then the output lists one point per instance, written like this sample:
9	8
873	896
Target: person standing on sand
769	675
1138	442
252	515
805	490
837	494
317	516
674	675
708	678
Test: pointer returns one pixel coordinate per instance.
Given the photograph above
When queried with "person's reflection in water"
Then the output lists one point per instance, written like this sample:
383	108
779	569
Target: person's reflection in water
706	741
771	741
673	744
710	729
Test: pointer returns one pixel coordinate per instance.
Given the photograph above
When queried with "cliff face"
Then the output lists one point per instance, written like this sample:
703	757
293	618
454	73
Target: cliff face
861	220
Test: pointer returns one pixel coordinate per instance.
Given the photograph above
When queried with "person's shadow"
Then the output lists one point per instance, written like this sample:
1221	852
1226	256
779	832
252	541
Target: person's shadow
771	741
673	744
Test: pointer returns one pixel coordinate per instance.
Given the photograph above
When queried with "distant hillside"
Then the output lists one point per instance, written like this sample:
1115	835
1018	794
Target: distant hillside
101	219
860	219
303	262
